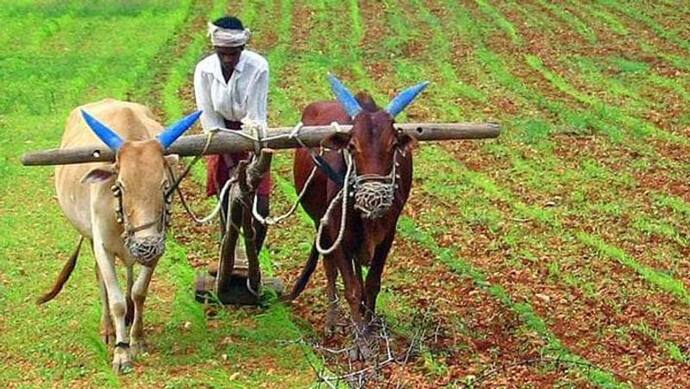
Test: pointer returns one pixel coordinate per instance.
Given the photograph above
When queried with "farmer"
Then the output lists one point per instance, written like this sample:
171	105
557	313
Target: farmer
230	85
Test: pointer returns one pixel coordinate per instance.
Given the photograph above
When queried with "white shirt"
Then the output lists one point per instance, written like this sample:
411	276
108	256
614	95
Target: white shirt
245	95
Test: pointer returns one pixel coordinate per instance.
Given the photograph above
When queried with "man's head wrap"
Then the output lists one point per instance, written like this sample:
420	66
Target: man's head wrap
225	37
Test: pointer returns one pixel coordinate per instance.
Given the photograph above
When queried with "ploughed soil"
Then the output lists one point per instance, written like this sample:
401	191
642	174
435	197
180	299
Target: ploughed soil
441	327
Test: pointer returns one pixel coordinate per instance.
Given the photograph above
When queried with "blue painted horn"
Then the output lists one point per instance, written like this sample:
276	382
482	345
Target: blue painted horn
108	136
404	98
170	135
344	96
114	141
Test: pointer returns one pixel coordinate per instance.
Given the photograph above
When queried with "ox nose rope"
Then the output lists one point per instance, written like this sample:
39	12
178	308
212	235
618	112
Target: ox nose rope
120	213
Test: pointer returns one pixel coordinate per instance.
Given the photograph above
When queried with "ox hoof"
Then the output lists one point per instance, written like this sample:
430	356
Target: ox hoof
138	349
122	361
360	353
122	367
329	331
362	349
332	326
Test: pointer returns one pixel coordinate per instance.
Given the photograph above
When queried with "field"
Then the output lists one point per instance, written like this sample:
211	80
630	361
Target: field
556	255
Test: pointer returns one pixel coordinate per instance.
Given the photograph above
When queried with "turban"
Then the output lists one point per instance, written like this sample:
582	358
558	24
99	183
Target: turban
224	37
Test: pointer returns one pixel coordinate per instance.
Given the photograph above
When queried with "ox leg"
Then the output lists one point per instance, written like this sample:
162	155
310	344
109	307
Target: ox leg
353	295
108	334
332	295
353	292
122	360
373	282
129	317
139	291
360	283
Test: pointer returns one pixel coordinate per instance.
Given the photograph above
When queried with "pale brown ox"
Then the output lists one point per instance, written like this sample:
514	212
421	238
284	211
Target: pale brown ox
121	207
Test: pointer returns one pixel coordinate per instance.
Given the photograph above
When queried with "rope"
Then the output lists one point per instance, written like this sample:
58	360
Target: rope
275	220
258	144
343	193
269	220
216	209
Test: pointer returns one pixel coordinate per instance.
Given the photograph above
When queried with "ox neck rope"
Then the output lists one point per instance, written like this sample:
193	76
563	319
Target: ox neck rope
372	194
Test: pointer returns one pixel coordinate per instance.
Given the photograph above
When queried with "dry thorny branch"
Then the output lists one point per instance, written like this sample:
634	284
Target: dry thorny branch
345	372
334	368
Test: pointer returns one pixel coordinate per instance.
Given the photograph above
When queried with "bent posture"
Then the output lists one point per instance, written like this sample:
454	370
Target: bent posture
378	186
121	207
231	85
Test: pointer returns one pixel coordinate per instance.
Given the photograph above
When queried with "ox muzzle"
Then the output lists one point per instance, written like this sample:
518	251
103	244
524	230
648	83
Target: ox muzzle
373	193
146	250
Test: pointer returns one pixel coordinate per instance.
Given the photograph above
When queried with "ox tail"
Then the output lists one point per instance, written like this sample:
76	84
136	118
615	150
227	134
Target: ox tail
63	277
307	271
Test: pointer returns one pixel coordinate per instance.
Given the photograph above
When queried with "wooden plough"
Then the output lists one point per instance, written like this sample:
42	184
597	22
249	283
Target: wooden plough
234	282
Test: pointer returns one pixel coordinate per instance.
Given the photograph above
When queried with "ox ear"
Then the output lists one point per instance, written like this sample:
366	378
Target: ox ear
170	135
99	174
405	141
103	132
344	96
405	98
337	141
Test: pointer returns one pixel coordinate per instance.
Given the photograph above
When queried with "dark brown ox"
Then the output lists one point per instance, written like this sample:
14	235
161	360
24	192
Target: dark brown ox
382	167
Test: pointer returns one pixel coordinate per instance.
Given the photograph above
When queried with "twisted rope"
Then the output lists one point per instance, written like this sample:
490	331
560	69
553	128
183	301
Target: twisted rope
275	220
344	194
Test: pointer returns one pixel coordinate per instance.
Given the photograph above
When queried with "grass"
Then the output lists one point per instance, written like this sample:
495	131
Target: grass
49	343
500	21
570	20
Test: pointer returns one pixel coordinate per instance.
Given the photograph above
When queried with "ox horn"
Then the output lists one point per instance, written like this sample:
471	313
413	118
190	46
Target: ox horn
170	135
404	98
344	96
103	132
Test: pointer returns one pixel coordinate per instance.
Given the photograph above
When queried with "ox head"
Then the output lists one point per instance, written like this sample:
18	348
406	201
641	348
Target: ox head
142	185
373	144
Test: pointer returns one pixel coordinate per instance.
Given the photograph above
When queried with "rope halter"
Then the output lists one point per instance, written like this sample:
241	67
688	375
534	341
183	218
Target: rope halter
151	247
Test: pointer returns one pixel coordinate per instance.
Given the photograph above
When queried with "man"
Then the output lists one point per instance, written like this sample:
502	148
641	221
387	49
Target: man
230	85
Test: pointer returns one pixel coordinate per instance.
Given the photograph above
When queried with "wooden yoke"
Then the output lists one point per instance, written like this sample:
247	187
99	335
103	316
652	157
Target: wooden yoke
240	199
278	138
